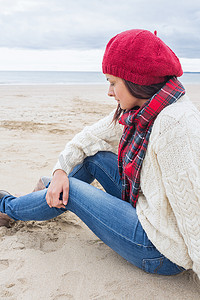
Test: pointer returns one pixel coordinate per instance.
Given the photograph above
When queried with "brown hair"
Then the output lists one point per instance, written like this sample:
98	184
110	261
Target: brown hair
140	92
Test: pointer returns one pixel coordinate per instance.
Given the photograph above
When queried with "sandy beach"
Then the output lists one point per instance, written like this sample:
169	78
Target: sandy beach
62	259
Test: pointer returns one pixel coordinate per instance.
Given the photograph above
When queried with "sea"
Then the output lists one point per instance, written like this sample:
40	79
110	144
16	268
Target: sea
69	78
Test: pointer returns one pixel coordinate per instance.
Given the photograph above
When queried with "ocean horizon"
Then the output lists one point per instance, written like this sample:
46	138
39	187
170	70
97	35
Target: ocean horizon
69	78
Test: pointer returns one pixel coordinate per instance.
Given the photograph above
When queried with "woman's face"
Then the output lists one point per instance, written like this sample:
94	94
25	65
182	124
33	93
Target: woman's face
121	93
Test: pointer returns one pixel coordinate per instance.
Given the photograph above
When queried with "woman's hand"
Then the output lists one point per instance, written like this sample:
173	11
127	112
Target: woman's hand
59	184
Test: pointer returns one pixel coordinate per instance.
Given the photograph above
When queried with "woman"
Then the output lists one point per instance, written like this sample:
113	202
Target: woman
150	210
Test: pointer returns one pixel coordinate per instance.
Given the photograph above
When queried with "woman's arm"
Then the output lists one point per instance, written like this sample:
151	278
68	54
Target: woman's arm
178	155
101	136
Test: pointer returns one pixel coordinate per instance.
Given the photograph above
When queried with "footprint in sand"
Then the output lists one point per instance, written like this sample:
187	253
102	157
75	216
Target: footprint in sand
66	288
4	264
12	288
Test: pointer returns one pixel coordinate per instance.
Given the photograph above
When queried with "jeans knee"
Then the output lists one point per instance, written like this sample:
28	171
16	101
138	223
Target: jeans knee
92	159
100	157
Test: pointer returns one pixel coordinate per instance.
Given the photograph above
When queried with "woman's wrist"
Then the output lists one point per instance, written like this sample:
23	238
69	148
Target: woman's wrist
59	172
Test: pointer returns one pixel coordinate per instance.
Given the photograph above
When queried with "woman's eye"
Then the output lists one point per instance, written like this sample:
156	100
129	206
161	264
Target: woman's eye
112	84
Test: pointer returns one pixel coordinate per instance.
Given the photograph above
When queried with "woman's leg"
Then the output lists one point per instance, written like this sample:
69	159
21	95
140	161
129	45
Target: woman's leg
103	167
114	221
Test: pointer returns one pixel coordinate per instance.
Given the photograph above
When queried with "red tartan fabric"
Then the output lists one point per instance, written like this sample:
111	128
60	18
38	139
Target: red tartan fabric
138	124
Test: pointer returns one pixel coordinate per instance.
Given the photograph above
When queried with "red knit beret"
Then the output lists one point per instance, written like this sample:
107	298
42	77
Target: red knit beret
141	57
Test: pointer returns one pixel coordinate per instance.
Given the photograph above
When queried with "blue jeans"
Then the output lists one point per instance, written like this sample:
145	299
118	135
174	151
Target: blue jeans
114	221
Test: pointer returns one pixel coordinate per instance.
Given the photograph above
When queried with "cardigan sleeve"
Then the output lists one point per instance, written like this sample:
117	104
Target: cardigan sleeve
101	136
178	155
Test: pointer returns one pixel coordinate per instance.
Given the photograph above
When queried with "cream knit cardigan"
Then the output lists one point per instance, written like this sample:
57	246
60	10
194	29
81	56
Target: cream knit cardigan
169	203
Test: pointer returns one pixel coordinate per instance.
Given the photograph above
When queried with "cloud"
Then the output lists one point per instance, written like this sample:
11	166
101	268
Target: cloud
50	60
89	24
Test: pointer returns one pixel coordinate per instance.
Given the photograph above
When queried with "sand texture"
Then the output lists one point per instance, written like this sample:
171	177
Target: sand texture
62	259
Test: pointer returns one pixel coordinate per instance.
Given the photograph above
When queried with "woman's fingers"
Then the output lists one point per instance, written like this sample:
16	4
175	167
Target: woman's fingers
58	185
48	198
66	192
53	198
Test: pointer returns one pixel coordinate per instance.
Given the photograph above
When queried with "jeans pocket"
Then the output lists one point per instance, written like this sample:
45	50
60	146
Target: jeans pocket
161	265
152	265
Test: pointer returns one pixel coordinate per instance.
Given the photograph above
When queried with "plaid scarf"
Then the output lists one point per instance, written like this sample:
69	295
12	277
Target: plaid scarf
134	141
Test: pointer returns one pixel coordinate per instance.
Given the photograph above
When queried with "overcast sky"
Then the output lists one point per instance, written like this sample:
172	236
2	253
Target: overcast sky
72	34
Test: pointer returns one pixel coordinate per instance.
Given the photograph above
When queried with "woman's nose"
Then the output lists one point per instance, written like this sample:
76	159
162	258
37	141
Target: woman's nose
111	92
